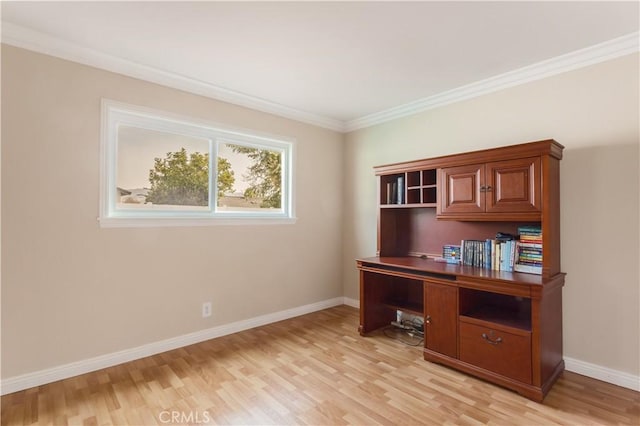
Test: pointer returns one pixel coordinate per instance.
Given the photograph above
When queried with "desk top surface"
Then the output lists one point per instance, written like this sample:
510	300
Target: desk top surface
429	266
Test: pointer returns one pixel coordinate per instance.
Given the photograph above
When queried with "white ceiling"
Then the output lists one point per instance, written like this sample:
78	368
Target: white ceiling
331	62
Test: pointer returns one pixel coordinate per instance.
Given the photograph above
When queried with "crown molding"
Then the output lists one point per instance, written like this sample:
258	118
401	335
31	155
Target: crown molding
26	38
602	52
19	36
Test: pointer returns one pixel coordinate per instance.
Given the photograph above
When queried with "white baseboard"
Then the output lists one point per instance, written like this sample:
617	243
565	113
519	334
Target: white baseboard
605	374
37	378
355	303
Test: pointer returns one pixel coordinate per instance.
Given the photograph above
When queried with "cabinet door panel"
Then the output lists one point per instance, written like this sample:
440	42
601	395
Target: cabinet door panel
497	351
503	353
514	185
459	189
441	314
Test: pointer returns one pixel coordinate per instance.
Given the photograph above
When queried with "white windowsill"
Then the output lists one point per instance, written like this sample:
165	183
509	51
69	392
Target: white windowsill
145	222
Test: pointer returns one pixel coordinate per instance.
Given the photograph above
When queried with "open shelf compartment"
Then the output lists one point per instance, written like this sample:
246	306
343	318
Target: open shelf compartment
495	310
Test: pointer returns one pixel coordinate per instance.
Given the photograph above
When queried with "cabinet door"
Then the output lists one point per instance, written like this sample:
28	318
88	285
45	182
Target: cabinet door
513	186
460	189
440	318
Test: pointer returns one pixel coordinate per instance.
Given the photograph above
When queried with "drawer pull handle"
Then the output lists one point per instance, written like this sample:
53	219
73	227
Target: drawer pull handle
428	319
489	340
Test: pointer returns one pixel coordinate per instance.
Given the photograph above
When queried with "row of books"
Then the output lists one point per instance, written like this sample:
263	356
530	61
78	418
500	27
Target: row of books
489	254
523	255
395	191
529	250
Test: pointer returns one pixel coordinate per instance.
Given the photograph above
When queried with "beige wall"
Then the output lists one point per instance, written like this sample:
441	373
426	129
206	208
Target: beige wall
72	290
594	113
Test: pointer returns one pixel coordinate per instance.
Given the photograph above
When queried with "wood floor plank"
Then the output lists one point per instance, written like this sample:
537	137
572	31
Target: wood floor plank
314	369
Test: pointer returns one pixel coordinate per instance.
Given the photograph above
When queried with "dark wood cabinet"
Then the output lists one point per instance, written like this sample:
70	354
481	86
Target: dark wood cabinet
509	186
505	327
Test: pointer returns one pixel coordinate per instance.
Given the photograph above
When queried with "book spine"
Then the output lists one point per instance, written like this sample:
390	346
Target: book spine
400	197
467	253
476	254
493	255
487	253
394	192
512	255
530	246
529	269
472	252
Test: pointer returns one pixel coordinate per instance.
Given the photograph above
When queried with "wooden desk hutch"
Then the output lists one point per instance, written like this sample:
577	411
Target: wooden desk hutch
504	327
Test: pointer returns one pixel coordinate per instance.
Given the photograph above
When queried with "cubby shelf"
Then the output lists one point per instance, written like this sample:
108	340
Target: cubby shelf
411	188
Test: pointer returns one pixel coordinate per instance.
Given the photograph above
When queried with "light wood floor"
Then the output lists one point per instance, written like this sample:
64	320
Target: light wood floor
313	369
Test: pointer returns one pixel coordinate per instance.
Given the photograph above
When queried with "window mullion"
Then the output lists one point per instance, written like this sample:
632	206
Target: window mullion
213	178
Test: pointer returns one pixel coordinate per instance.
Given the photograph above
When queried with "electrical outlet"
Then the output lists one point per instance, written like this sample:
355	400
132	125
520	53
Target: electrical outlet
206	309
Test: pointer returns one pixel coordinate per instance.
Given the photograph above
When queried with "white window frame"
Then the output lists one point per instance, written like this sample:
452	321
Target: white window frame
115	114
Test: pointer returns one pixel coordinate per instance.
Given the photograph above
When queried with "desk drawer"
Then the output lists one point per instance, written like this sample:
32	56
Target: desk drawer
495	350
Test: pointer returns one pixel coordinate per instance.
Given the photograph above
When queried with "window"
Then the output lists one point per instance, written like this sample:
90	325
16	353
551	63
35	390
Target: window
162	170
